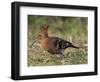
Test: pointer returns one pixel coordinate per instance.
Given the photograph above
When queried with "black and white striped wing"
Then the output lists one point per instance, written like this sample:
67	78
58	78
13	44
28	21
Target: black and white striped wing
62	44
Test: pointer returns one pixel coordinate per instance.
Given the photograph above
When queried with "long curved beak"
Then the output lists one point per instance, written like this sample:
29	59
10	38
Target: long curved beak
34	41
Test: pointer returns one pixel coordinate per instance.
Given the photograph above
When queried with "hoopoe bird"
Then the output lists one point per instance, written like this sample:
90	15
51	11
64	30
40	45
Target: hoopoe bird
53	45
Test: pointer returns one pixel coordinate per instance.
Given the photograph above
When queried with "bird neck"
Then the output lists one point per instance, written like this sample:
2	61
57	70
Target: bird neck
46	36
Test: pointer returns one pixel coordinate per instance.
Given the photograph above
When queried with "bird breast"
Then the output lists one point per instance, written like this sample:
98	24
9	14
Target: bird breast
44	42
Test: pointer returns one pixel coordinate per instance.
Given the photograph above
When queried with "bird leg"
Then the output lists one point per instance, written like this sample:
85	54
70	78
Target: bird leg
62	59
62	53
61	56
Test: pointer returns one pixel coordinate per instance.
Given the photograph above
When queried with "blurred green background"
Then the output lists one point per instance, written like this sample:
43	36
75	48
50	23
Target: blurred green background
73	29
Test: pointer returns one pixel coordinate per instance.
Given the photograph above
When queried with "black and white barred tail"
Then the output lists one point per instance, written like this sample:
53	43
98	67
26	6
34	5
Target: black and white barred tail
74	47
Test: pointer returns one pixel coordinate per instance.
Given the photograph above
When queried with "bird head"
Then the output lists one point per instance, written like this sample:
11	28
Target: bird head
43	33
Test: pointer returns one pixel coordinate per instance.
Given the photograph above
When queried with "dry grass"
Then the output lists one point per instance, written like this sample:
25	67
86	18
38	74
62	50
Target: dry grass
39	57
